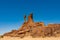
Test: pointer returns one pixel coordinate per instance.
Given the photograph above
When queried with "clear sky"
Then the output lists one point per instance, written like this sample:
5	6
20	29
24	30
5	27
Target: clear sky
12	12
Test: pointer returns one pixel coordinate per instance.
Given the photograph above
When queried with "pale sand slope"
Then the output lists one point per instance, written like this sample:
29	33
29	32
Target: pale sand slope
30	38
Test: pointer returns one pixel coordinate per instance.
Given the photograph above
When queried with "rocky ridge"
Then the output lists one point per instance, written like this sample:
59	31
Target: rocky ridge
34	29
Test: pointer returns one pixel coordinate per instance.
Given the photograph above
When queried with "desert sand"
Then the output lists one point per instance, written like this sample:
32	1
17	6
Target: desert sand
30	38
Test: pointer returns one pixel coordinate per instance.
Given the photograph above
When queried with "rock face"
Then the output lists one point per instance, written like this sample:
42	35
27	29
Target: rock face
34	29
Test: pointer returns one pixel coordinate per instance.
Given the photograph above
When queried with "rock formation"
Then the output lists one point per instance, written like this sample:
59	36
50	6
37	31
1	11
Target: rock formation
34	29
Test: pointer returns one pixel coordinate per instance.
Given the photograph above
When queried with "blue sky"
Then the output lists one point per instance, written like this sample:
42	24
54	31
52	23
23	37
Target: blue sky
12	12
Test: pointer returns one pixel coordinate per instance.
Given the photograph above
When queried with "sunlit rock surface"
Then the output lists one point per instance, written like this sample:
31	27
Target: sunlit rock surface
35	29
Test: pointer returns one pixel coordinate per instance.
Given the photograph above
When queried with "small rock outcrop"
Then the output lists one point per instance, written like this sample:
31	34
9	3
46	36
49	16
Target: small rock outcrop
34	29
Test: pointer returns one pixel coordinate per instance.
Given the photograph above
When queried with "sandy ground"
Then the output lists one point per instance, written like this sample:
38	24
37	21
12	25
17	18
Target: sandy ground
30	38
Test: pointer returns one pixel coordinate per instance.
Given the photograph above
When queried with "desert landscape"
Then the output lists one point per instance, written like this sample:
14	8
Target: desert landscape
31	30
29	19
